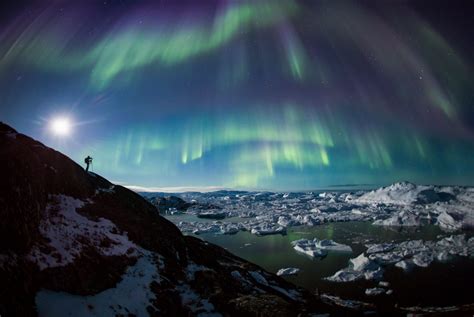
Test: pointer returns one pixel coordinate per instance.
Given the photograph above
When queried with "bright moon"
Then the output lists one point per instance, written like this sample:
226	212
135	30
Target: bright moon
61	126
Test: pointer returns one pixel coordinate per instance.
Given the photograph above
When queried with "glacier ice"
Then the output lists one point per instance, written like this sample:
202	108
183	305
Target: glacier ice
399	205
405	255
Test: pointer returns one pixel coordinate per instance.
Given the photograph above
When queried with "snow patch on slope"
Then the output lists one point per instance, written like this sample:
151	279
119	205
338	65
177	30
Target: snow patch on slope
131	296
199	306
68	233
192	268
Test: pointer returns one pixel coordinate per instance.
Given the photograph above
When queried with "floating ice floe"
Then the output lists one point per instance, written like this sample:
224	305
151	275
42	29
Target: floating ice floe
439	310
404	255
384	284
318	248
288	271
347	303
359	268
374	291
267	229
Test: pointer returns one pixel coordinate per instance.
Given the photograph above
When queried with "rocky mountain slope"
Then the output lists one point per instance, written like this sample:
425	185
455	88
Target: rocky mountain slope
72	243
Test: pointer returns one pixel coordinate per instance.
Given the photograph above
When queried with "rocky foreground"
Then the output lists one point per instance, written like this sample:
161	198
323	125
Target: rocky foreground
73	244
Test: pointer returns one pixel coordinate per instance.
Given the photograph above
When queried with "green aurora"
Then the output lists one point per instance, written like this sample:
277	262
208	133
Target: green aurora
281	95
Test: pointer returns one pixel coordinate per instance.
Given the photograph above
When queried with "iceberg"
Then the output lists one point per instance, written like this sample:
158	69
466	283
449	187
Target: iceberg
266	229
423	259
406	265
330	245
402	193
310	250
319	248
359	268
403	218
404	255
446	221
399	205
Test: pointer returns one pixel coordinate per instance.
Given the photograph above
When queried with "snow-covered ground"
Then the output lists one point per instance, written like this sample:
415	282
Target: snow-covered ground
67	233
131	296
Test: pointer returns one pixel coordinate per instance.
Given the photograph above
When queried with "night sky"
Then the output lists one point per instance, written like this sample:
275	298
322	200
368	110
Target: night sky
274	95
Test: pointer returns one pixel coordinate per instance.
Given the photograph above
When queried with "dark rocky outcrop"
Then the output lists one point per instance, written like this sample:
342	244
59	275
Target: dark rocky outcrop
104	229
168	204
164	204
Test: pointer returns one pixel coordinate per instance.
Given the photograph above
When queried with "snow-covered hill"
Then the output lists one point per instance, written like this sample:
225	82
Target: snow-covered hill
73	244
404	193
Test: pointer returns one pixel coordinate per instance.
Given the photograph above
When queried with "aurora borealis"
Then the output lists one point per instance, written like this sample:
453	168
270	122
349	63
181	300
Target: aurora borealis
281	95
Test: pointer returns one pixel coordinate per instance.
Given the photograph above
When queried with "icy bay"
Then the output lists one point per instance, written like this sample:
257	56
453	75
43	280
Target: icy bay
308	231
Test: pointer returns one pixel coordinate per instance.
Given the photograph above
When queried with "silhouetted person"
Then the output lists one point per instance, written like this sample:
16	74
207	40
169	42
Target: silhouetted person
88	161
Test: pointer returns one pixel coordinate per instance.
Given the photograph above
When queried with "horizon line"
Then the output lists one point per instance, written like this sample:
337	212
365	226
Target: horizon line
206	189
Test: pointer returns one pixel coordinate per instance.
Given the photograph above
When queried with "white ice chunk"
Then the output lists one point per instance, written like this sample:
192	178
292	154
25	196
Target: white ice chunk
374	291
446	221
319	248
403	193
288	271
267	229
362	263
384	284
405	265
403	218
360	267
423	259
345	275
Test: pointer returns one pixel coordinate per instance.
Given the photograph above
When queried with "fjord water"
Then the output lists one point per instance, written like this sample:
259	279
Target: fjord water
441	284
